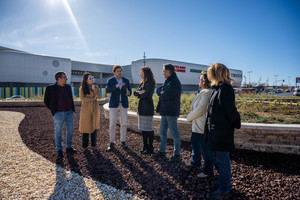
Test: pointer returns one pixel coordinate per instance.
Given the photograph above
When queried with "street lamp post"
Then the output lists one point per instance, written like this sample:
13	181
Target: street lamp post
275	82
249	72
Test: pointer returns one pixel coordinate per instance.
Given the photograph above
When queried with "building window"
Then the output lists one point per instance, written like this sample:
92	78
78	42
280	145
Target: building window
55	63
80	73
107	75
237	75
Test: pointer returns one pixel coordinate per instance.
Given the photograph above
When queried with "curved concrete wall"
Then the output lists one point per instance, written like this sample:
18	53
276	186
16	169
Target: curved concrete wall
280	138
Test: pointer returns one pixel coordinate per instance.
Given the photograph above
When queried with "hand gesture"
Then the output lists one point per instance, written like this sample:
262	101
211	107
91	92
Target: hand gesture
127	92
141	91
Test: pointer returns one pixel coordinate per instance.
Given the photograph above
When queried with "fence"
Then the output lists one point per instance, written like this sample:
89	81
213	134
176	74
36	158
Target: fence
31	92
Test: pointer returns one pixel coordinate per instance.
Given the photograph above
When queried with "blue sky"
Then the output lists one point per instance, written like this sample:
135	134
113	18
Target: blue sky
262	36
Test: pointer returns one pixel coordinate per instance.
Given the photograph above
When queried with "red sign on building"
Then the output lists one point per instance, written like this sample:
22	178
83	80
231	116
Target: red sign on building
297	79
179	68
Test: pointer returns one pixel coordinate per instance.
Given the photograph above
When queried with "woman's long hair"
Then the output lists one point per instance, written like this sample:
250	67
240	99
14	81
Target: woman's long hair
84	85
218	74
148	75
205	80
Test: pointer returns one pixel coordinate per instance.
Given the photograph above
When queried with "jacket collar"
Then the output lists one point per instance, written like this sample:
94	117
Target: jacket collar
173	76
117	79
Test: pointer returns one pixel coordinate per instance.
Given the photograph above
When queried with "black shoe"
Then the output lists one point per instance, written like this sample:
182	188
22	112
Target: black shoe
215	182
110	147
144	151
150	150
124	145
60	154
190	165
218	195
174	158
71	150
159	154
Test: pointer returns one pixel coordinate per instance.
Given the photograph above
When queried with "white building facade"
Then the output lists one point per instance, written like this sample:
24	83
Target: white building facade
23	69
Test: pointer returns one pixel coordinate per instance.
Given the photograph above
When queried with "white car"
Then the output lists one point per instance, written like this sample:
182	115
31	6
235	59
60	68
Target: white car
16	97
271	92
279	90
296	92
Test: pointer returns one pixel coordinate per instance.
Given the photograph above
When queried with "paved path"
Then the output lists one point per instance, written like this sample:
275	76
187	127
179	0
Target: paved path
25	174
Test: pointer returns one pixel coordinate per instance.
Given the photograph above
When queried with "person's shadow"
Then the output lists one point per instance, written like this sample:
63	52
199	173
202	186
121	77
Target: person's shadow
97	167
64	183
144	174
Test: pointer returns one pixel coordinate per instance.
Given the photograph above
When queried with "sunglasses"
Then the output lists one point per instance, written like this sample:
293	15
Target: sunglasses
90	78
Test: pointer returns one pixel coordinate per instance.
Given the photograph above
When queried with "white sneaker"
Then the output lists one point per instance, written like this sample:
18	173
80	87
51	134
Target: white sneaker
202	175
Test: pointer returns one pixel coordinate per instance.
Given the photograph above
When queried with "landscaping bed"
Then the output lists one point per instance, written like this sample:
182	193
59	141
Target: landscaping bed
254	175
275	111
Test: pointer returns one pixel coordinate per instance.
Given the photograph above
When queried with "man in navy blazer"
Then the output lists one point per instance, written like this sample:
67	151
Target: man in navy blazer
120	89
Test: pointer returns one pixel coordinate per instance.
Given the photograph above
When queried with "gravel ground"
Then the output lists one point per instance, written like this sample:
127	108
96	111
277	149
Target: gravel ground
25	174
254	175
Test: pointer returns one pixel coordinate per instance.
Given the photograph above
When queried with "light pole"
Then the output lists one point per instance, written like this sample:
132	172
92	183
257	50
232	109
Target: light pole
249	72
275	82
144	57
245	82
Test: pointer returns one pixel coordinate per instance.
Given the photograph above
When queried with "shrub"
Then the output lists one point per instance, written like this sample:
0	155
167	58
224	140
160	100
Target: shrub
250	111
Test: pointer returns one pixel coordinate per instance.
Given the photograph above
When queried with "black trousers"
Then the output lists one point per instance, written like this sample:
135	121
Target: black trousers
85	139
148	140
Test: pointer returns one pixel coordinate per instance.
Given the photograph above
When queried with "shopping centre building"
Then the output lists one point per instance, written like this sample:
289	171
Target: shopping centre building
27	74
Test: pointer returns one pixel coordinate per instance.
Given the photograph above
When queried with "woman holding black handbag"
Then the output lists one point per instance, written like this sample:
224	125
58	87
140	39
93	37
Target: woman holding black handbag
222	119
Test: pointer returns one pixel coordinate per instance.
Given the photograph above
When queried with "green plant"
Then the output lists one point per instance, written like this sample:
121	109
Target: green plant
249	111
272	105
284	108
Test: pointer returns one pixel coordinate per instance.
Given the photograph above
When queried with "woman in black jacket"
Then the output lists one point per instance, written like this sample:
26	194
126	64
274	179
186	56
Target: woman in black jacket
222	119
146	108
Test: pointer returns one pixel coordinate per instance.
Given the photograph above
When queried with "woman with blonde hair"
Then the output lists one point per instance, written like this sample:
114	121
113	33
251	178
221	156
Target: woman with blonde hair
89	121
198	118
146	108
222	119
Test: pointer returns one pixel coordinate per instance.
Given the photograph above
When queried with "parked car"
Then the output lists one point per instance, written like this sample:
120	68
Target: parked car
296	92
272	92
16	97
279	90
259	91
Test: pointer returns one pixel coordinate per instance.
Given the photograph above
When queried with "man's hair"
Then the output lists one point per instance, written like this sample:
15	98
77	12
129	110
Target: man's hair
59	75
115	67
169	67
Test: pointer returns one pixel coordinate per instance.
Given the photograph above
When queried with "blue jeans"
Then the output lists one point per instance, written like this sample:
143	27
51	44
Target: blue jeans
197	148
59	119
221	160
171	123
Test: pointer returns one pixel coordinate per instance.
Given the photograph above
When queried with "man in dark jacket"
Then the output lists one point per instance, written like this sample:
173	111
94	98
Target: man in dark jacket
59	99
120	89
169	109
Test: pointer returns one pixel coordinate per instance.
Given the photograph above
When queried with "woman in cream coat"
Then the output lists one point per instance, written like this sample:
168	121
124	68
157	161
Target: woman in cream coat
89	121
198	118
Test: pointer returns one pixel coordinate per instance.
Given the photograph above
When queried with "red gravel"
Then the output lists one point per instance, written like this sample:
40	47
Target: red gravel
255	175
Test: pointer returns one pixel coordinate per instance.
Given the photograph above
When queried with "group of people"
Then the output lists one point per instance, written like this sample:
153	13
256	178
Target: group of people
214	116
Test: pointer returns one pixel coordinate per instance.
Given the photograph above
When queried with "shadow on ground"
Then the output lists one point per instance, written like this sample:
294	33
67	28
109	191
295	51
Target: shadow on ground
128	170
